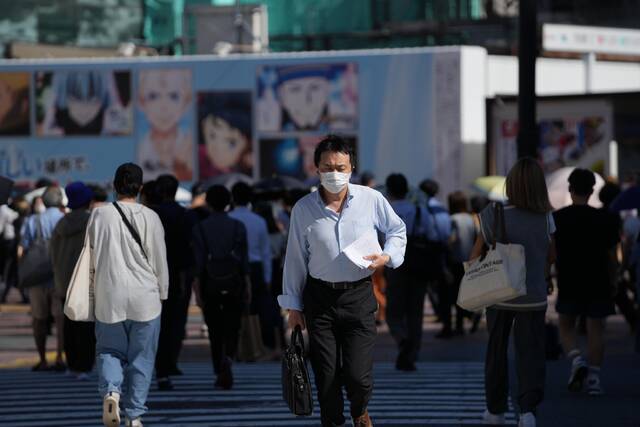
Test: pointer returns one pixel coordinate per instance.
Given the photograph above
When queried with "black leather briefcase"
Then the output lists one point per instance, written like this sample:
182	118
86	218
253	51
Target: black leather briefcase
296	387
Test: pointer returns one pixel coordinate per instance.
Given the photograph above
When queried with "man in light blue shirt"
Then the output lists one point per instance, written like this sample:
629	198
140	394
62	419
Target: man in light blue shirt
44	301
260	262
335	294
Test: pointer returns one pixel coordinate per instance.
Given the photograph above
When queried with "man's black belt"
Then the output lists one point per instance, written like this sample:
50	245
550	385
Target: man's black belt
340	286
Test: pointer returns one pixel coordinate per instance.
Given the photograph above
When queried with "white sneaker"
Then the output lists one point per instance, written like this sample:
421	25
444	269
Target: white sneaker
137	422
493	419
82	376
111	409
527	420
579	371
594	388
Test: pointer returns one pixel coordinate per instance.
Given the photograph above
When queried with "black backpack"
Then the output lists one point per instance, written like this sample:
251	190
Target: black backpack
424	258
223	271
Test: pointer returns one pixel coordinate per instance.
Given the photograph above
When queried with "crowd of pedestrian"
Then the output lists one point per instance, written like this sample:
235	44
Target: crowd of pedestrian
240	256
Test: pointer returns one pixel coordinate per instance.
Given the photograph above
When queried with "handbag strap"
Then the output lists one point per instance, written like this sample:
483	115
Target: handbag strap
416	220
297	340
499	227
131	228
39	231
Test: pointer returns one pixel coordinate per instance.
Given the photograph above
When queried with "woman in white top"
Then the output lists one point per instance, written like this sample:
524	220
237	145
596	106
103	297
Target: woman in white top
130	279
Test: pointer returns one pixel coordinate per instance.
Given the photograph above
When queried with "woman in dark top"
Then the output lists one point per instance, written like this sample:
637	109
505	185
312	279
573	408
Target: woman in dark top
585	243
529	223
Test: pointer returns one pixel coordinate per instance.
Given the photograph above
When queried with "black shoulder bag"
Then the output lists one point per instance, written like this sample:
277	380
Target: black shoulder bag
131	228
296	387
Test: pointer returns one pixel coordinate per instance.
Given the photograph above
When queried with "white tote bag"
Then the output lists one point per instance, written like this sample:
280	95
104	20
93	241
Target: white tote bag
497	277
79	304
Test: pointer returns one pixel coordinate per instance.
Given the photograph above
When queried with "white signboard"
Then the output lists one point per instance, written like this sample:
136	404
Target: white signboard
576	38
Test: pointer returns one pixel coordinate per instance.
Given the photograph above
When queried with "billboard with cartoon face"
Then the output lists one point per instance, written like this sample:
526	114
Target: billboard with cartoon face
307	97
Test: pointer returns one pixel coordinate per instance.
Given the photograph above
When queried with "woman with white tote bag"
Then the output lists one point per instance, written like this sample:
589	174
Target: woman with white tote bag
528	222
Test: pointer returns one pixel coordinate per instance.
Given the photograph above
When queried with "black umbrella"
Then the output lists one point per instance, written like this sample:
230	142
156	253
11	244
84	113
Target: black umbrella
228	180
278	183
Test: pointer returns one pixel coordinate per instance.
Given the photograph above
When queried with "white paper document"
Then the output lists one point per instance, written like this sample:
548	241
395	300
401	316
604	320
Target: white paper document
366	245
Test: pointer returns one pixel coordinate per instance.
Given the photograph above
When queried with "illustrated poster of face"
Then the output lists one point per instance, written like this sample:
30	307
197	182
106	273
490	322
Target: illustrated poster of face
568	140
291	156
165	123
316	97
224	133
14	104
83	102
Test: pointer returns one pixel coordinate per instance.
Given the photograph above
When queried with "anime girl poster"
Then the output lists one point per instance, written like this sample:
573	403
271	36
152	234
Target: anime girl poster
14	104
307	97
224	133
165	113
83	102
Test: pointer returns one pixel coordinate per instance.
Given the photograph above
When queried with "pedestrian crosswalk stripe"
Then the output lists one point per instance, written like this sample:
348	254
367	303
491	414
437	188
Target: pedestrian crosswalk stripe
437	394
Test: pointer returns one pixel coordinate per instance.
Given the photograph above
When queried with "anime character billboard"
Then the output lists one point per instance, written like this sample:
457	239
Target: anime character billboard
14	104
83	102
307	97
165	119
224	133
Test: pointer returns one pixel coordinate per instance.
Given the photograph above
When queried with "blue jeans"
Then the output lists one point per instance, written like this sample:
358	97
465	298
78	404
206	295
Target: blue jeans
125	354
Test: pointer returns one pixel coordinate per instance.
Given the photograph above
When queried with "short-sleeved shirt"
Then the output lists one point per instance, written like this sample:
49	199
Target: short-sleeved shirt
584	239
532	230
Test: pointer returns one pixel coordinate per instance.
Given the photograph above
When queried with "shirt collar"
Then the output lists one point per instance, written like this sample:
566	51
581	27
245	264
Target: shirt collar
351	193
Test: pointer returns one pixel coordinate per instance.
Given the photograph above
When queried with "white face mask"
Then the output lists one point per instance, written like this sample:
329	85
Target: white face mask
334	182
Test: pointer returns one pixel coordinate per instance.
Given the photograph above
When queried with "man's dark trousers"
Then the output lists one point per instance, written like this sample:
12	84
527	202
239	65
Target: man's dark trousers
342	334
172	326
405	311
222	315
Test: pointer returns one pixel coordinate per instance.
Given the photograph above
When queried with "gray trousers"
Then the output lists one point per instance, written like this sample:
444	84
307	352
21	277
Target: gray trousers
529	341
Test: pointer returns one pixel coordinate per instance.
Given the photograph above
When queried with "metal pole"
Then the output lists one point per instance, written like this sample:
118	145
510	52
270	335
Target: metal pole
528	130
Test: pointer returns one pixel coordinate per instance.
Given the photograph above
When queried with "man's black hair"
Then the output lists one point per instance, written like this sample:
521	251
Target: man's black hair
397	186
608	193
581	182
149	193
336	144
167	187
430	187
99	193
242	194
218	197
128	180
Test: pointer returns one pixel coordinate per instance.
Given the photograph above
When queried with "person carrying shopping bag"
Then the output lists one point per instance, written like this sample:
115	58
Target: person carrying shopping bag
128	261
527	222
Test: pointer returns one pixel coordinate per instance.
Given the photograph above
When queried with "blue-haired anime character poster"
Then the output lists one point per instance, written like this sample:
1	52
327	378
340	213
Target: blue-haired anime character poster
83	102
224	133
293	156
307	97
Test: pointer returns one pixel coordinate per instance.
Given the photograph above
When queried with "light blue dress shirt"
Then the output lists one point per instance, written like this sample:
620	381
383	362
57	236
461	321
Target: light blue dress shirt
48	220
257	238
318	235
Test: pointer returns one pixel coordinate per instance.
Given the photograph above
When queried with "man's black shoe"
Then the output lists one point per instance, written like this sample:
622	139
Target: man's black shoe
165	384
